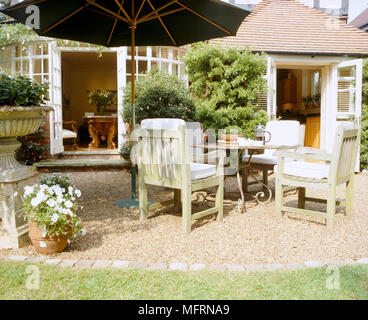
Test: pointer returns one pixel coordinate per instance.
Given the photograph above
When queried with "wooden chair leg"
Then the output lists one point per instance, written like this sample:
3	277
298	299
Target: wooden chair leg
245	172
187	209
220	200
279	197
349	206
301	198
143	204
177	199
331	206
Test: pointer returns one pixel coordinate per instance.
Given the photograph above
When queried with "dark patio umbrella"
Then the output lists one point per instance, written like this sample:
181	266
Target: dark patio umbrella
114	23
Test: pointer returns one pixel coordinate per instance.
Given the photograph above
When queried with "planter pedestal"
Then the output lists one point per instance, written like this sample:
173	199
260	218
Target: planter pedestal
15	121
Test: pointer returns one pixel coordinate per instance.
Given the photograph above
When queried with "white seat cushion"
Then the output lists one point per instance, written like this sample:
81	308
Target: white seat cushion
68	134
306	169
263	159
202	170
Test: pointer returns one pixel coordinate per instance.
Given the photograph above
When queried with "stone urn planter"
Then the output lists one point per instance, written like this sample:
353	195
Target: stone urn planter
14	122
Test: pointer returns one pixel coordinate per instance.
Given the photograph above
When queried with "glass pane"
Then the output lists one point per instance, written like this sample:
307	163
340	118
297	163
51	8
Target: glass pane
5	54
175	54
129	66
37	49
142	51
38	78
37	66
18	66
347	72
128	79
45	48
164	53
45	66
155	52
175	69
142	66
154	65
25	68
165	67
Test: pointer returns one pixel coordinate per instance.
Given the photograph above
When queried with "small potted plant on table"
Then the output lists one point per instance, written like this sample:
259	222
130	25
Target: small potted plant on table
51	211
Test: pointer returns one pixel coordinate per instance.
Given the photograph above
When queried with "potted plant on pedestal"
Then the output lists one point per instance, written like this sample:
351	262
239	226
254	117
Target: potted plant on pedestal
51	210
102	99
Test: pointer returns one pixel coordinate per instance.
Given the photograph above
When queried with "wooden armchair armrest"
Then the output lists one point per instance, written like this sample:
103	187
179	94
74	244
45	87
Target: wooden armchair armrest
73	125
303	156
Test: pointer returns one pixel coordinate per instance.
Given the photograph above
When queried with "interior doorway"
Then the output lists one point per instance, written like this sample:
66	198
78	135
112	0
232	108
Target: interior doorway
83	72
299	98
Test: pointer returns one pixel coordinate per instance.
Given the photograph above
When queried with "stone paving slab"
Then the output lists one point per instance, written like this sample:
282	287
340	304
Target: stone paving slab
232	267
84	263
138	265
197	266
120	264
69	263
17	258
217	267
178	266
100	264
53	261
158	266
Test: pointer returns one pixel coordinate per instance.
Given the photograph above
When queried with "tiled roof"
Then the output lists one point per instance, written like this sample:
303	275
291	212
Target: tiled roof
288	26
360	20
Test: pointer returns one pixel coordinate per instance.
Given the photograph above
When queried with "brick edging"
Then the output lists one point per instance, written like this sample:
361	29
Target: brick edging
178	266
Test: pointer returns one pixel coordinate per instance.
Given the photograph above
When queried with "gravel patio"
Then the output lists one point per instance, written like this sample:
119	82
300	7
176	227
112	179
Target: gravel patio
254	237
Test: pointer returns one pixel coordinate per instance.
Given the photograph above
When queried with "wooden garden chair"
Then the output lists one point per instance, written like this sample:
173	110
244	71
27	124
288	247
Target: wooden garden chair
164	159
338	168
71	134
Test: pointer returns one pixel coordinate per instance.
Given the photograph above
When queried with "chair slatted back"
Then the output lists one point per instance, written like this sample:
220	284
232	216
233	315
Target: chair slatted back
345	153
161	155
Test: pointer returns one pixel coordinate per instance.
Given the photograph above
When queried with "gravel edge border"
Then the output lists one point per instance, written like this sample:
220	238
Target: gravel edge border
176	266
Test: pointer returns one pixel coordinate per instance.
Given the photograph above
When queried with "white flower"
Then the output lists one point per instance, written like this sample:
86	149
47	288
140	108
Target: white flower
68	204
57	190
35	202
51	203
78	193
70	190
83	231
59	199
28	190
55	217
15	194
44	233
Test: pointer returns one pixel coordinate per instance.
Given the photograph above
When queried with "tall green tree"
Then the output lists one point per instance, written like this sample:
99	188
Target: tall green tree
226	84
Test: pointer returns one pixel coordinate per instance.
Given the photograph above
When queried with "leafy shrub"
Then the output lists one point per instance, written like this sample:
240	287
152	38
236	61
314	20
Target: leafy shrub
226	84
21	91
158	95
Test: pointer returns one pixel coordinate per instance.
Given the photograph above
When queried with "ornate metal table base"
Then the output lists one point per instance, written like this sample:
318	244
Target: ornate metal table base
259	195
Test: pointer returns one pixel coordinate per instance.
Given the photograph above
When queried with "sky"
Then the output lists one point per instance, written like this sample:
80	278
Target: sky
356	7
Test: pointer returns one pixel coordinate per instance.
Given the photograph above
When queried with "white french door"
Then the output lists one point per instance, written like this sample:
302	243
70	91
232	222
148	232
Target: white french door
56	116
347	80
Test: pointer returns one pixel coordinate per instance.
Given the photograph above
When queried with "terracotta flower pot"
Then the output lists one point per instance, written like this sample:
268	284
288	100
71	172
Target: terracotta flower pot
48	245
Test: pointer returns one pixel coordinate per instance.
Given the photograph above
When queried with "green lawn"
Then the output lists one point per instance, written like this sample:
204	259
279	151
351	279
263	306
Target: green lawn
58	283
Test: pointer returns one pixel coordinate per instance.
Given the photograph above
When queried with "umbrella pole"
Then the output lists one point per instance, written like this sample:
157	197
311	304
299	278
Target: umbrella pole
133	171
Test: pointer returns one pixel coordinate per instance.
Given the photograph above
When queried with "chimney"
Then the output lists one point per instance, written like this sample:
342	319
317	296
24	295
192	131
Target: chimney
342	12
